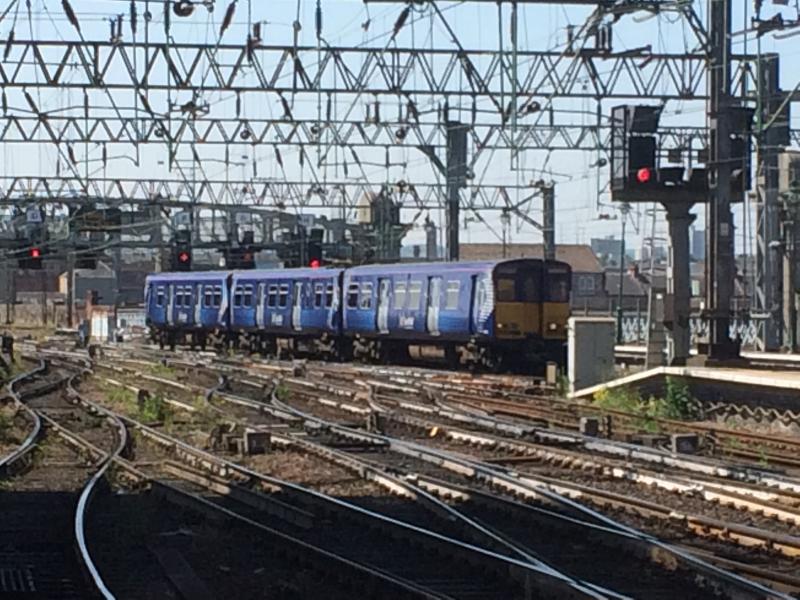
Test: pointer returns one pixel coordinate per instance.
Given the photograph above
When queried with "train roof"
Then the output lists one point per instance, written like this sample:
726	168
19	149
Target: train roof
306	272
187	276
482	266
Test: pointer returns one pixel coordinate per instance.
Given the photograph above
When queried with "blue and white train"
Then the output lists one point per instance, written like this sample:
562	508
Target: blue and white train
503	314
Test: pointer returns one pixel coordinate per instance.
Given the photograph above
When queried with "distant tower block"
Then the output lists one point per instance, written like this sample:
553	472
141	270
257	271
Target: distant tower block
431	252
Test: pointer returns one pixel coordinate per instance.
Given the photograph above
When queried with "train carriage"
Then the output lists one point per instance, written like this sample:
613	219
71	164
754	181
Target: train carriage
492	313
506	314
187	307
287	311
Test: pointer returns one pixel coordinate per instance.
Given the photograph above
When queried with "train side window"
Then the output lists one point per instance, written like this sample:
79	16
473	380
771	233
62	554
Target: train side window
208	296
160	295
414	294
319	295
272	296
177	296
366	295
329	295
400	295
352	295
506	290
217	298
283	295
247	295
453	287
237	296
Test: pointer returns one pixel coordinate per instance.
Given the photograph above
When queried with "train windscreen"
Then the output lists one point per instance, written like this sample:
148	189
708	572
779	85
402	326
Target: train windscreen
558	284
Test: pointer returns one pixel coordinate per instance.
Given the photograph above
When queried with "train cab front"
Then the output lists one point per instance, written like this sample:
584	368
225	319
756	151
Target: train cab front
531	311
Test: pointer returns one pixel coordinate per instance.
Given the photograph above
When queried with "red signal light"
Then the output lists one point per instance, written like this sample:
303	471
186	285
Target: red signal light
644	175
315	264
36	253
184	257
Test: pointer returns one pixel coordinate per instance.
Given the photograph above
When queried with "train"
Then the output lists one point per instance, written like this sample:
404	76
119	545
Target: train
498	315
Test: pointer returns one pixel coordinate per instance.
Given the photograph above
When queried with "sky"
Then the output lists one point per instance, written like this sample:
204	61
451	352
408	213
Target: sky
584	208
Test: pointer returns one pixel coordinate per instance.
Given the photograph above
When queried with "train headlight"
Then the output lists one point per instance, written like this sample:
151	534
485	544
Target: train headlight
552	326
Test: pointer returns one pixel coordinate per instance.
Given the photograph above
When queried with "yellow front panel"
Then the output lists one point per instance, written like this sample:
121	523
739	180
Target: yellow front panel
517	319
555	320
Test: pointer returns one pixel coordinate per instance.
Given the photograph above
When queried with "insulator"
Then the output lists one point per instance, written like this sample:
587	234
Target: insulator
377	111
228	19
257	31
112	25
133	17
71	14
86	103
412	110
227	155
29	100
319	19
238	104
195	154
5	102
145	102
329	108
302	157
183	8
401	20
166	16
474	110
71	154
105	156
119	26
9	43
287	110
346	170
278	156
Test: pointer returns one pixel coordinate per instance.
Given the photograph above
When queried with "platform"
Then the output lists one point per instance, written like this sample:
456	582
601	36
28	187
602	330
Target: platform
773	388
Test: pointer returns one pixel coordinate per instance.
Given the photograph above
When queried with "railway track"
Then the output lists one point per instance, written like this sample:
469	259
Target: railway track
49	491
359	449
420	567
350	401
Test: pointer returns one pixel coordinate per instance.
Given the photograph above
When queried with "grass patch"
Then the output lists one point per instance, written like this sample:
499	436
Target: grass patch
677	404
161	370
282	392
153	408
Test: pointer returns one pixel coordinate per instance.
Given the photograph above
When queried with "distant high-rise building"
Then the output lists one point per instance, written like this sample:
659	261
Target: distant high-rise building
698	244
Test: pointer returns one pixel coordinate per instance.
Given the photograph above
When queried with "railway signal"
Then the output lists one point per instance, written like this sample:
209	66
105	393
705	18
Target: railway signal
182	251
314	248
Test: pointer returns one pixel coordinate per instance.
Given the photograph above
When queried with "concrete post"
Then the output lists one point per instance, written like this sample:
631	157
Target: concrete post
679	291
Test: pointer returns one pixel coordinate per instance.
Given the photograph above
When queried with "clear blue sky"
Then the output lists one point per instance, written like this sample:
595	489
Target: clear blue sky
580	187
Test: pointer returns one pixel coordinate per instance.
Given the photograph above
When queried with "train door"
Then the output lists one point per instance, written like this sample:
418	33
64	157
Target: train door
434	300
260	302
171	304
198	304
382	313
297	306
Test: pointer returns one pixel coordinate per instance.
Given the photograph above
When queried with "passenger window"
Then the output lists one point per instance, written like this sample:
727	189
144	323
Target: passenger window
414	294
318	295
272	296
237	296
247	295
208	296
283	295
160	296
217	296
400	295
505	290
329	295
366	295
453	288
352	296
